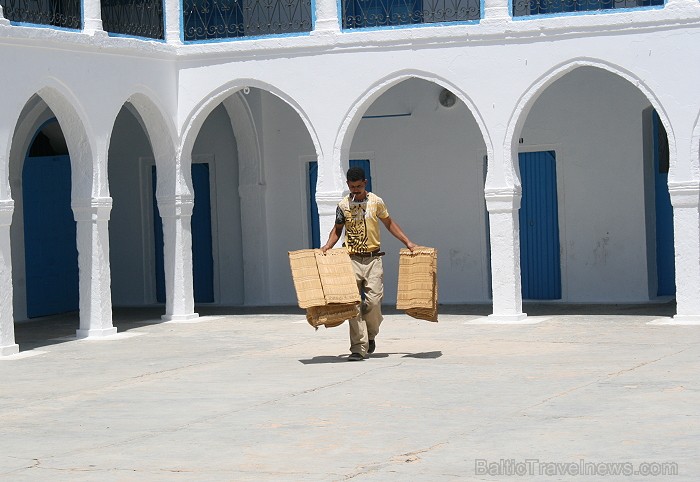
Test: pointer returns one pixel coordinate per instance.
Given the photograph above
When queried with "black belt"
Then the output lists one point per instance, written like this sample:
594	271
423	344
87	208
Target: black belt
373	254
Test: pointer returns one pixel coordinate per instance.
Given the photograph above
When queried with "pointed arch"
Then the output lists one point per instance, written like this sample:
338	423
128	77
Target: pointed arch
353	116
539	86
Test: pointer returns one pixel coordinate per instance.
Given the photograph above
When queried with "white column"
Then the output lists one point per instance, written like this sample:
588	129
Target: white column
172	12
503	206
685	198
92	219
176	213
7	325
92	17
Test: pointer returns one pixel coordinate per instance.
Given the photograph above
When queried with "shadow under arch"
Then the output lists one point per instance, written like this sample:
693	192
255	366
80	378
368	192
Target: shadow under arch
360	105
539	86
49	103
251	178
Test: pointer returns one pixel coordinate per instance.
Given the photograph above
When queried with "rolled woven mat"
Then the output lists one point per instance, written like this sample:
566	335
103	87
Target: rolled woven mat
417	293
325	285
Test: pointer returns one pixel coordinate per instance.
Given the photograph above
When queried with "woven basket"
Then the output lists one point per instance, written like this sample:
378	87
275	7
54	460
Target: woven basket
417	292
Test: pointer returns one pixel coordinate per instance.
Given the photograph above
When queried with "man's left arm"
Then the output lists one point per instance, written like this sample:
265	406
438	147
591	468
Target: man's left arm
397	232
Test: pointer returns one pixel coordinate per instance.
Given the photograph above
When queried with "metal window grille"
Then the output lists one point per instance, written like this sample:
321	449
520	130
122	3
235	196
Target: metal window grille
56	13
387	13
140	18
524	8
220	19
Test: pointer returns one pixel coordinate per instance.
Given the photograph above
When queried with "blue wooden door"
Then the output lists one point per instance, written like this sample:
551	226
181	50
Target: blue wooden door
313	207
665	251
50	250
202	259
539	227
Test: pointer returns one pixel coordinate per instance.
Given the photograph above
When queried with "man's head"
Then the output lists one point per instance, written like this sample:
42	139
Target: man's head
357	183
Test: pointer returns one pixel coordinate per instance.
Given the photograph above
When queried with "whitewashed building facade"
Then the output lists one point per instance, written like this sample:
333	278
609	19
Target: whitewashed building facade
234	135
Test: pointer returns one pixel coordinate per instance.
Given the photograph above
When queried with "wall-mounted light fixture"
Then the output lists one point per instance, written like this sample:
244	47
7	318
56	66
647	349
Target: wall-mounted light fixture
447	98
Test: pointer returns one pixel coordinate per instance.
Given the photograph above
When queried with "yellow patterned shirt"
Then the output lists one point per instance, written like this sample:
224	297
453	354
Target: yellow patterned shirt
361	220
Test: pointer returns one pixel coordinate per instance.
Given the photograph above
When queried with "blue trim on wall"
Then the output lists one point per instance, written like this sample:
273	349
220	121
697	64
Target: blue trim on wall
586	12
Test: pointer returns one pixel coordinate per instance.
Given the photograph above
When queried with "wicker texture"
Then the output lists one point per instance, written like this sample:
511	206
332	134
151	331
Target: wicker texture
417	291
307	282
331	315
337	276
325	285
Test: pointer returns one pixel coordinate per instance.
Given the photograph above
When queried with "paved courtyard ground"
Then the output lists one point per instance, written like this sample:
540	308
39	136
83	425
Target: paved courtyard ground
259	395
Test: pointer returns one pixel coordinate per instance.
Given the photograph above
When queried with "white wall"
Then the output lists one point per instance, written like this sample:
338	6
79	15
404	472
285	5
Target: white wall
216	145
287	148
593	120
428	168
131	220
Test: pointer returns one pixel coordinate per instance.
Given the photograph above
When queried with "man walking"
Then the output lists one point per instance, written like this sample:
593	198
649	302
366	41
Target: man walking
359	213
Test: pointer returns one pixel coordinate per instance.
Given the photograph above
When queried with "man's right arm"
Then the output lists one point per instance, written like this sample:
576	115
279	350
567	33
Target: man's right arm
333	237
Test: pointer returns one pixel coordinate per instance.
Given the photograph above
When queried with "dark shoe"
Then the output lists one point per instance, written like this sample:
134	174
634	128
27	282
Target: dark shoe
372	346
355	357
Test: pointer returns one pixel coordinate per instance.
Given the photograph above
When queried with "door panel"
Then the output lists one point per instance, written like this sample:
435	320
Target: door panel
539	227
51	254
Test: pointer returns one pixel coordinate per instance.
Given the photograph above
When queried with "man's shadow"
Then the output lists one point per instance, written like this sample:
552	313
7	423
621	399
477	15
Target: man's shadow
344	358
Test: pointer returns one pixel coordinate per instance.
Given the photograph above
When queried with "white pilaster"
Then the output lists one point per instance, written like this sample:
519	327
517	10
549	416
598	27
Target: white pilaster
92	219
172	13
3	20
176	213
7	325
92	17
255	255
496	11
327	203
328	18
503	206
685	198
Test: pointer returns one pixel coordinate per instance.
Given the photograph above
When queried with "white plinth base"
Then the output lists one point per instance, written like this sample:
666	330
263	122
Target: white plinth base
9	350
180	318
519	319
677	320
21	355
95	333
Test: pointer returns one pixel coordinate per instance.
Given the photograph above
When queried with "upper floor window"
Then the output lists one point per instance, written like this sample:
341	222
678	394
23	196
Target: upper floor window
389	13
55	13
139	18
221	19
523	8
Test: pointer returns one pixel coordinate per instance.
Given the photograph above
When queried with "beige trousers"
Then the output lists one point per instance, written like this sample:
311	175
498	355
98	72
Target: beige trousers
369	274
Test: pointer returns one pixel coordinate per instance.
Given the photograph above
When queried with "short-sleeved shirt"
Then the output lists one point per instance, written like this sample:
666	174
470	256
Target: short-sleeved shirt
361	220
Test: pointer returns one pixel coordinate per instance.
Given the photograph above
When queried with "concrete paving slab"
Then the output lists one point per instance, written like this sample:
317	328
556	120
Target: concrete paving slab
260	395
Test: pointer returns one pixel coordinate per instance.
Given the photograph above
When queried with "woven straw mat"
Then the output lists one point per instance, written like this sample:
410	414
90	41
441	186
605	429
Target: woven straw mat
417	291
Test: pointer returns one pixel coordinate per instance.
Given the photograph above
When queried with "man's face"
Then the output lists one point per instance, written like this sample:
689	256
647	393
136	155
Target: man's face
357	189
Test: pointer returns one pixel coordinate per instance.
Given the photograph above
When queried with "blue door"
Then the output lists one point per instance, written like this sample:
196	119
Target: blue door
665	251
202	259
540	269
51	254
313	207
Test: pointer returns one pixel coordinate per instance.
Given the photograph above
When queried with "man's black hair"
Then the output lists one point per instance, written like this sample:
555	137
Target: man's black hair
356	174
